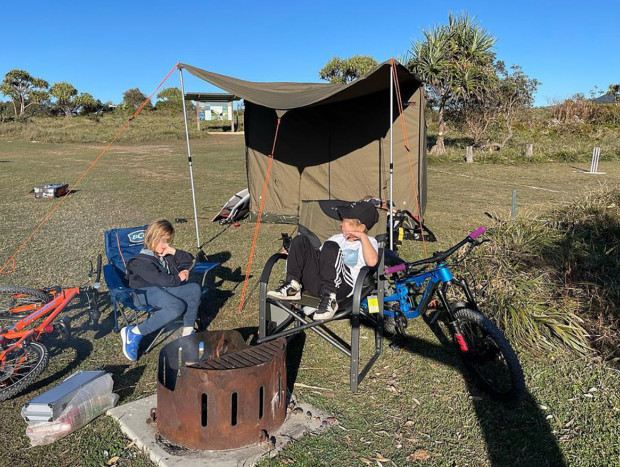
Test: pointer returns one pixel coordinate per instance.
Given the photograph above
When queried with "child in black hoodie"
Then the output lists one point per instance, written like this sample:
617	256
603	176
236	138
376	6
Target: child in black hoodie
161	271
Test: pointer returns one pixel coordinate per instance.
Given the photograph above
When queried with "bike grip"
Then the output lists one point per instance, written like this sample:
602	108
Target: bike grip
393	269
479	231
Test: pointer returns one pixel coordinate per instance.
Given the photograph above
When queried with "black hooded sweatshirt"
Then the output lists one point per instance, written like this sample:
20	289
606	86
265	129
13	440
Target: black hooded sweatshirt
144	270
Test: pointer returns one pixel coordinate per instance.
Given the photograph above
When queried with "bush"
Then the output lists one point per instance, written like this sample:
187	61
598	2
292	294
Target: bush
578	109
555	280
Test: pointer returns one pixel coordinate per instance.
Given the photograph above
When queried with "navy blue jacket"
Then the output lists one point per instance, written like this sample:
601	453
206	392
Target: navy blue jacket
144	270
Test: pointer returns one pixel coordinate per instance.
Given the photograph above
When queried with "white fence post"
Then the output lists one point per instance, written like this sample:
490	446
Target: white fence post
596	154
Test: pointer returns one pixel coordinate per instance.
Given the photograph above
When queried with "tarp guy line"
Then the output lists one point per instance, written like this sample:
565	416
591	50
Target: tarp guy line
403	127
11	260
260	214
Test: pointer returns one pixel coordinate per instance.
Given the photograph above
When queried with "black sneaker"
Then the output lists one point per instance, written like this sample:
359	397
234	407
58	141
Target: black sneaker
327	306
287	291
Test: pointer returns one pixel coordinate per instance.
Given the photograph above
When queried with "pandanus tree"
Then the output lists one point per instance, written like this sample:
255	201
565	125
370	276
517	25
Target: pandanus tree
455	61
24	90
345	70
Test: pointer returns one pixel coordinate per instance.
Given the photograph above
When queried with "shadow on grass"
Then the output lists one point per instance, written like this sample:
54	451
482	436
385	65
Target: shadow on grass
106	320
125	382
82	347
215	297
514	435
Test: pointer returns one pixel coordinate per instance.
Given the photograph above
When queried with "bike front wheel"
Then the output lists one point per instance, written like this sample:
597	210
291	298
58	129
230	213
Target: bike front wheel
488	356
21	367
18	302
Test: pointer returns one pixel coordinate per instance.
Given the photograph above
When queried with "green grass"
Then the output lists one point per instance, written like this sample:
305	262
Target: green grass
148	126
413	401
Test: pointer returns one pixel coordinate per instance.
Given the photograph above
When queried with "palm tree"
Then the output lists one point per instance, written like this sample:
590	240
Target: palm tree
456	62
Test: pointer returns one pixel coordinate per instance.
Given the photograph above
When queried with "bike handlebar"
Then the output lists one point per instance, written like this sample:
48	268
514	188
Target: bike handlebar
438	256
476	233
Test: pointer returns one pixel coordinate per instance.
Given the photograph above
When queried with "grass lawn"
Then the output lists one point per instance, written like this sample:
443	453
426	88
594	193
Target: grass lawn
414	406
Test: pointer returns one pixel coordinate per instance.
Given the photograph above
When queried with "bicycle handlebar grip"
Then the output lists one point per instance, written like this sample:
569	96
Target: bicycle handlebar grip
479	231
397	268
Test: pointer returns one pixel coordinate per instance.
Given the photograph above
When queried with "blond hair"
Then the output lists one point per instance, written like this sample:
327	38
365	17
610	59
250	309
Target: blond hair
156	231
355	222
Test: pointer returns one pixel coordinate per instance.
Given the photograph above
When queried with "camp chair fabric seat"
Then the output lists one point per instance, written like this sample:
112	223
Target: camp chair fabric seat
318	220
121	245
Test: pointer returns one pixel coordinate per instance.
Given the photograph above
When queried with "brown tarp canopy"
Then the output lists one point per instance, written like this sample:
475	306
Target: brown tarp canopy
333	141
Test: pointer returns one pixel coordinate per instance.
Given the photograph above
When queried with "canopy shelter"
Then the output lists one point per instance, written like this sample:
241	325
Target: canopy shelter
331	141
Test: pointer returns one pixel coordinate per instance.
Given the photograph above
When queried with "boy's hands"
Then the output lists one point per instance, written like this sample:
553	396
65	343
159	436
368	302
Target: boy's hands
354	235
184	275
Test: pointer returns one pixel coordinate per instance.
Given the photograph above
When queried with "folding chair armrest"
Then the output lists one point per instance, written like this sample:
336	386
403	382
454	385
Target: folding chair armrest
112	278
202	268
264	277
358	287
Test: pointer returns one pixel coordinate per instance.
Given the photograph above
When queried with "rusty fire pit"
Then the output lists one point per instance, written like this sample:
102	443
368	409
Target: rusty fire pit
215	392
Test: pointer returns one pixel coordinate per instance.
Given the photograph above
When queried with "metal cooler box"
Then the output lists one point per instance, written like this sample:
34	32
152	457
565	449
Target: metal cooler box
49	405
52	190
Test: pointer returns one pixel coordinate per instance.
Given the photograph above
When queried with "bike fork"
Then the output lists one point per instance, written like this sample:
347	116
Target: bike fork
453	324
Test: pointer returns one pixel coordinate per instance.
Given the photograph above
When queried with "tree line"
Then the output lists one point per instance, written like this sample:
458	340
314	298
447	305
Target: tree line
465	82
29	95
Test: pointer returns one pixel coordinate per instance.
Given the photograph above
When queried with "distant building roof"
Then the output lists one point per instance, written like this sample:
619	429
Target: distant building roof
605	99
211	97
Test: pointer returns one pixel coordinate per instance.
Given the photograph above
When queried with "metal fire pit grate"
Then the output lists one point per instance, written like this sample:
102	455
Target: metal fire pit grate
216	392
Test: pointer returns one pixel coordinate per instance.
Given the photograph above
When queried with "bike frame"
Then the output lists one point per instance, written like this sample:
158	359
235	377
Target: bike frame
437	280
46	314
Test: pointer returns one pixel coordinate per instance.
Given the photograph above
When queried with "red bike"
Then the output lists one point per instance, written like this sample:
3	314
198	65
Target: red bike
22	357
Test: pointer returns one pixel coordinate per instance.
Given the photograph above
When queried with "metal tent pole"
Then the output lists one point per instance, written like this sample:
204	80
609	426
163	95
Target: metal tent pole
189	159
390	213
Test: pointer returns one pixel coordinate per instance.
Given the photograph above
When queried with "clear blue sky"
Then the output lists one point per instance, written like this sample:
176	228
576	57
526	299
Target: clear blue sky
107	47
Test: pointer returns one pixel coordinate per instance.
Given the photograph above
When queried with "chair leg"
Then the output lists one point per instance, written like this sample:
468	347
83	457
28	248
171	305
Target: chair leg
154	341
116	326
355	348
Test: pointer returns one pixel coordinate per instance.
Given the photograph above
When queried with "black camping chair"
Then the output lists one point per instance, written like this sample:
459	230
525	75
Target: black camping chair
129	304
318	220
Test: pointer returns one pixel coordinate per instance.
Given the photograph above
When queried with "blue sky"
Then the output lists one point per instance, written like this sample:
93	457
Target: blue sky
105	48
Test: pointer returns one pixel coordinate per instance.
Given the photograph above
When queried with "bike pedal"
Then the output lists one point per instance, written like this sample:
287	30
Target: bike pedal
396	347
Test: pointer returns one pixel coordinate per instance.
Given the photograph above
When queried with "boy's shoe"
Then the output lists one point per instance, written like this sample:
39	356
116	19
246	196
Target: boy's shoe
131	341
287	291
308	310
327	306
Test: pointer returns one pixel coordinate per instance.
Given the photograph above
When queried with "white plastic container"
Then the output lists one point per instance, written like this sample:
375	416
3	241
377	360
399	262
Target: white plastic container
89	402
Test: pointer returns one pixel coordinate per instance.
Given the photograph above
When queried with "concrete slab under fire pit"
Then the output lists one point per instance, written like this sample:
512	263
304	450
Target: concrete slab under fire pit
134	419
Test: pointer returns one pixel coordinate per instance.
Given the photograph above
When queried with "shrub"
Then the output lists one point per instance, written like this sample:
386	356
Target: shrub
555	280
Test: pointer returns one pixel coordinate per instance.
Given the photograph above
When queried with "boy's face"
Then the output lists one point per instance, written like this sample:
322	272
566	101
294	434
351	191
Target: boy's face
162	245
347	226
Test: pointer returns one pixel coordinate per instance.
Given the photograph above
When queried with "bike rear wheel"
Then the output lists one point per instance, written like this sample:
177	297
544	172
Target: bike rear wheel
21	367
17	302
488	356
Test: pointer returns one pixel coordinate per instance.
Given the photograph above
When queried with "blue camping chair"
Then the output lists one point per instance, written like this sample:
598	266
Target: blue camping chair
120	246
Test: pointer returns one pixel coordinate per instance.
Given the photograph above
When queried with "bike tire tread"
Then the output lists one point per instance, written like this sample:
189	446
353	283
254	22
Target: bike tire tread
23	383
518	390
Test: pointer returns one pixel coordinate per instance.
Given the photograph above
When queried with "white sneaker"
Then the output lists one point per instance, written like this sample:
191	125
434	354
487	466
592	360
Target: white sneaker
287	291
308	310
328	306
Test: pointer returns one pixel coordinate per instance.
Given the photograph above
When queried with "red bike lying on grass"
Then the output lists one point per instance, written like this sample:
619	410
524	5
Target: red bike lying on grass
22	357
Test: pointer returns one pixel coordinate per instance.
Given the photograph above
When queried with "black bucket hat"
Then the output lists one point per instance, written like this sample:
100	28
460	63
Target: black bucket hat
364	211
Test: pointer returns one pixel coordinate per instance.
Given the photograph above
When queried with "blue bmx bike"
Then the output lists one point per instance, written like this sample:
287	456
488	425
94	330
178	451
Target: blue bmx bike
428	289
